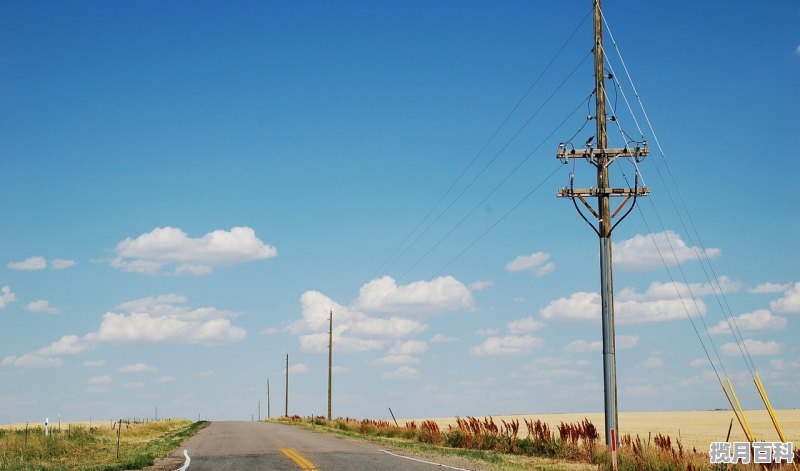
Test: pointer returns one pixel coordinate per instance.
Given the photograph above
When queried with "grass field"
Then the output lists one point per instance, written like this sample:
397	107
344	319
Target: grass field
77	447
694	429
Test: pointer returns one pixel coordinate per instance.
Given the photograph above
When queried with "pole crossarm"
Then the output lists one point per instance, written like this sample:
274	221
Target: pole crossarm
594	192
594	155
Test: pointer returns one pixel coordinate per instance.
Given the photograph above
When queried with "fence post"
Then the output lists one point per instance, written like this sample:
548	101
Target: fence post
119	431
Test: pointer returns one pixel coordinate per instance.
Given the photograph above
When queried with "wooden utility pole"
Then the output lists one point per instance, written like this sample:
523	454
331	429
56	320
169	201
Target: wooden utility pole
286	406
269	416
330	361
601	157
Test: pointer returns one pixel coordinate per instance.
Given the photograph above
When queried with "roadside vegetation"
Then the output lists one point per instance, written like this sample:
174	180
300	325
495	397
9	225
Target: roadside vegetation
531	444
83	448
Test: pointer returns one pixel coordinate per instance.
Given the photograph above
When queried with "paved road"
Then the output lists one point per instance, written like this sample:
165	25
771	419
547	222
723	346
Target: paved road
225	446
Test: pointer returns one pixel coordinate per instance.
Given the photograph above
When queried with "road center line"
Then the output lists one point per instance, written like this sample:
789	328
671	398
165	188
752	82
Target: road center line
301	461
185	463
426	462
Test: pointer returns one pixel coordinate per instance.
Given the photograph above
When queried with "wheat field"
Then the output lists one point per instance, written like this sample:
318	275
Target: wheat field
694	428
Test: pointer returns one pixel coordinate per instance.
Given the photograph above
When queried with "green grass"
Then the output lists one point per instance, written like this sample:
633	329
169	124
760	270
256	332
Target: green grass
83	449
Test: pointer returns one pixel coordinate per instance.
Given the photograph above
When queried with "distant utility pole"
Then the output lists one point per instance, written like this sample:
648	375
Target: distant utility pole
601	157
330	360
286	406
269	416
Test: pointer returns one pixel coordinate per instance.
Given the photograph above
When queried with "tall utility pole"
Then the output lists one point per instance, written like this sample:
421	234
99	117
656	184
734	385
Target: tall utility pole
269	416
330	361
286	406
601	157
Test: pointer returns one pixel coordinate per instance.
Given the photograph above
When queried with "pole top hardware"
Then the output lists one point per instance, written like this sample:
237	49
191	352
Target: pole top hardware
591	154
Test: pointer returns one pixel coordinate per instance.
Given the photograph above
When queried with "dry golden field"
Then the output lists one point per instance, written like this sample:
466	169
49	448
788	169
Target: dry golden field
695	429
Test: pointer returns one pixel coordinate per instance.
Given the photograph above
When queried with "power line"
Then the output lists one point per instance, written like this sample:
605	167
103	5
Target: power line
472	161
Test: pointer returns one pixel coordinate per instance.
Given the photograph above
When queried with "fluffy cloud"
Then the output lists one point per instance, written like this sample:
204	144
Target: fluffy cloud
6	297
166	379
659	290
508	345
658	304
355	330
790	302
754	347
769	288
642	251
761	319
393	360
62	264
537	263
411	347
30	264
525	325
48	356
165	319
137	368
404	372
41	306
169	246
480	285
104	379
299	368
443	294
94	363
441	338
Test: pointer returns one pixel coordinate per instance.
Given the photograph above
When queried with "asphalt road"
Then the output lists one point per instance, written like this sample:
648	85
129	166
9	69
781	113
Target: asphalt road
224	446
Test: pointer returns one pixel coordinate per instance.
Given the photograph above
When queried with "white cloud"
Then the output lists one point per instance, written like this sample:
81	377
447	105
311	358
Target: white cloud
797	50
166	379
642	251
622	342
299	368
7	297
754	347
404	372
525	325
760	319
671	290
66	345
410	347
164	319
652	362
536	263
443	294
104	379
137	368
508	345
133	385
769	288
94	363
441	338
31	360
790	302
585	306
62	264
151	252
480	285
30	264
41	306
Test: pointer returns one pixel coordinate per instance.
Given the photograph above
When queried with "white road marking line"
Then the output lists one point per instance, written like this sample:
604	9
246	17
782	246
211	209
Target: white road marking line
186	463
426	462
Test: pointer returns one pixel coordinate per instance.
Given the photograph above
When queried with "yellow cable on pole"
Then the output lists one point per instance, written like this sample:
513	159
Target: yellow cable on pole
765	398
750	436
733	408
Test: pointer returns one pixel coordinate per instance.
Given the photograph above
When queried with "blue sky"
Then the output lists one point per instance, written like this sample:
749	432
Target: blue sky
189	187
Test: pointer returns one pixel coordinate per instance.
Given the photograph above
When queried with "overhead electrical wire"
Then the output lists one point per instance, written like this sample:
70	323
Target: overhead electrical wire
701	253
472	161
